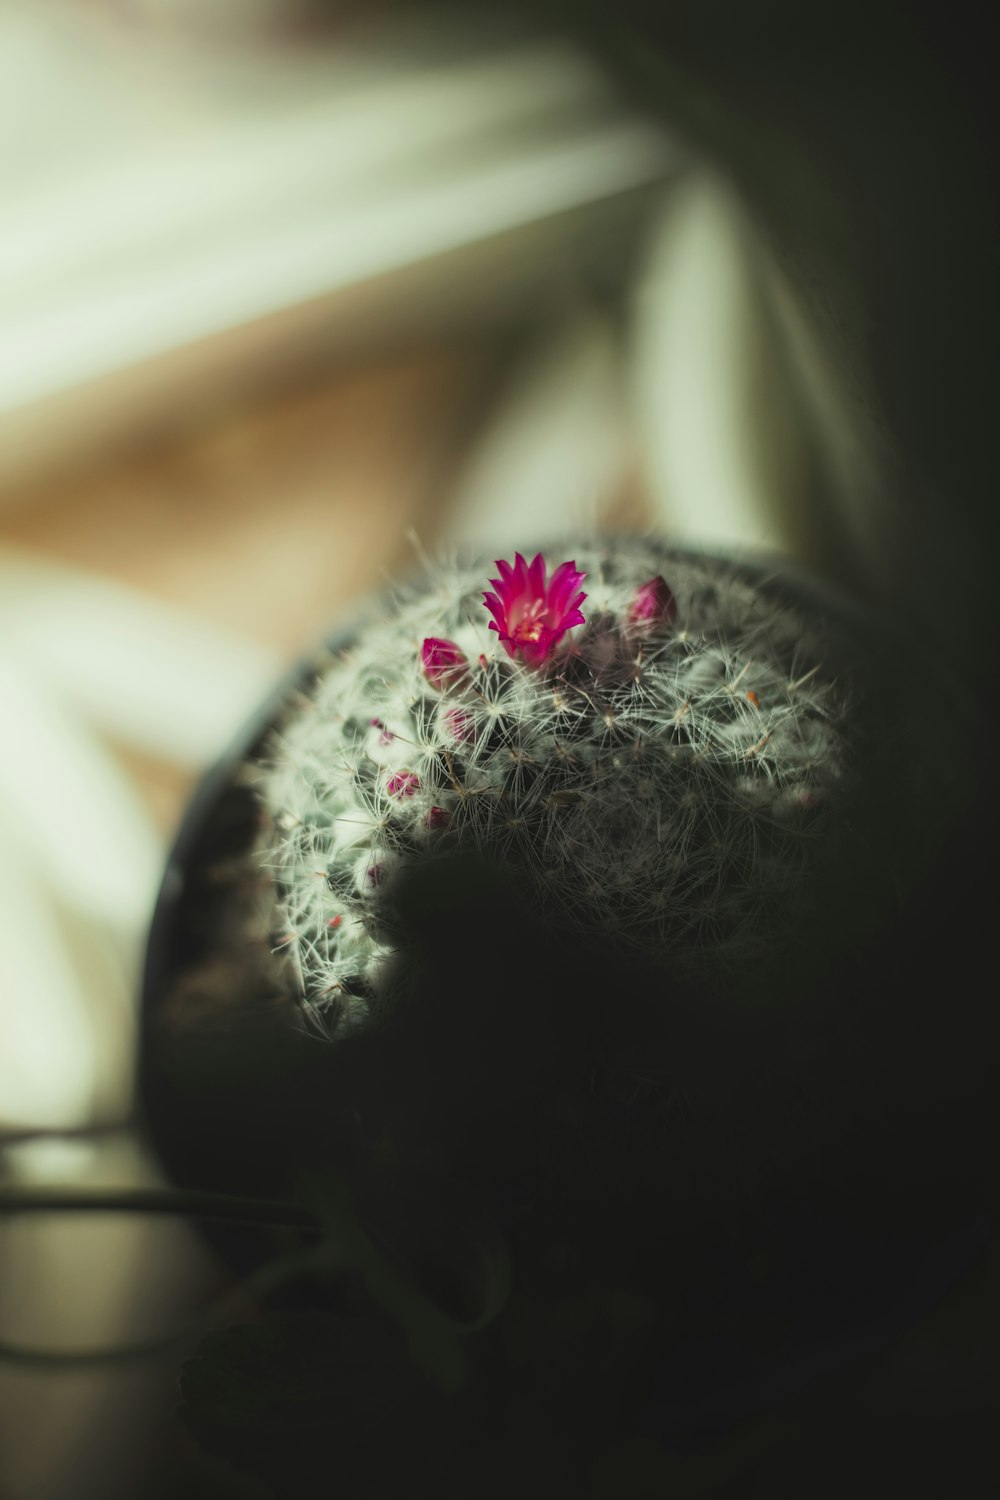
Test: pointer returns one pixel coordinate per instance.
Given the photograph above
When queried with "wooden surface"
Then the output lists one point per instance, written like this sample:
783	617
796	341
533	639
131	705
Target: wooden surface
270	519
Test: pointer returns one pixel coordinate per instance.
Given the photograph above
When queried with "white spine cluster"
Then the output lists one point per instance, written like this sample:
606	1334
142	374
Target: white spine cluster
657	782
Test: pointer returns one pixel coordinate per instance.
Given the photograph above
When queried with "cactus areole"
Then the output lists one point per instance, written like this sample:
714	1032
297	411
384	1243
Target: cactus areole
652	756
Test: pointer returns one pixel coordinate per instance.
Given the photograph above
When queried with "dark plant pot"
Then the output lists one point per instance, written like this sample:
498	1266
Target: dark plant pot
864	1227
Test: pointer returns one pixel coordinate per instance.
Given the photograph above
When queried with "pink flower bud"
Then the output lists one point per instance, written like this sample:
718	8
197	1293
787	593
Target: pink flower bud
444	664
403	784
459	725
654	604
438	817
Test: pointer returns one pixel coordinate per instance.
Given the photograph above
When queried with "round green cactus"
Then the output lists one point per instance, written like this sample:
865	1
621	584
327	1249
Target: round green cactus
653	767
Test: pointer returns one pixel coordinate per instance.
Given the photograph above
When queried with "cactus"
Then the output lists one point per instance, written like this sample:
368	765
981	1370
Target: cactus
654	770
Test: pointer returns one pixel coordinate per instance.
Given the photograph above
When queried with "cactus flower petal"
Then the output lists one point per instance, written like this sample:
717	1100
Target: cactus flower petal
529	615
654	604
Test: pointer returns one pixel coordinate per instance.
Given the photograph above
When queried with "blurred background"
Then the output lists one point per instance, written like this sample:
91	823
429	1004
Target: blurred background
290	293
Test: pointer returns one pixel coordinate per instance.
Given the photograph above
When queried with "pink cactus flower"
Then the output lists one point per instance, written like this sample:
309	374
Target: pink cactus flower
654	604
529	615
438	817
444	664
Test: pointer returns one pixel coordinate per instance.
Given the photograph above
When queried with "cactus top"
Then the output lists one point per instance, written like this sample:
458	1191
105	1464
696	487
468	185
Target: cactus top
655	769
